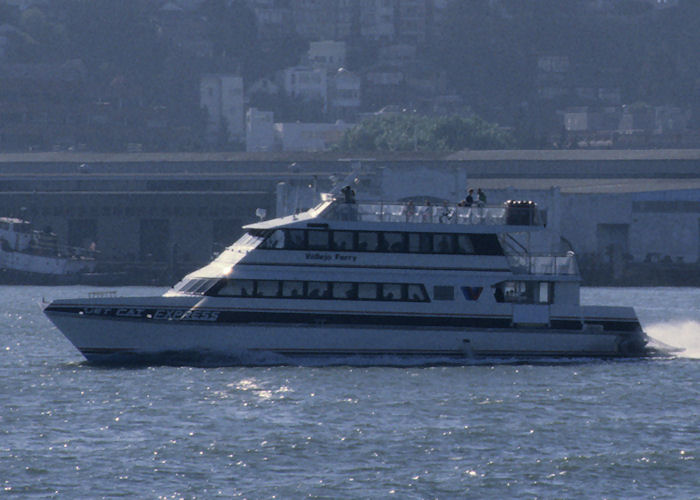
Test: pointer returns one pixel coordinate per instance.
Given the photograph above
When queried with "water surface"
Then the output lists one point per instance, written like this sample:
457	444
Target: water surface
594	429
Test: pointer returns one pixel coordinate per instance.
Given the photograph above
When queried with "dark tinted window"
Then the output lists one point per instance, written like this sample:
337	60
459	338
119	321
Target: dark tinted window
295	239
293	289
464	244
413	242
318	240
274	240
486	244
367	291
442	243
344	290
267	288
391	291
394	242
387	241
318	290
367	241
343	240
416	293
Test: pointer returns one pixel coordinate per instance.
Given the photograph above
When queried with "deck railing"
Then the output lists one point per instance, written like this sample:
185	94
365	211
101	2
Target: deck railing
433	214
544	264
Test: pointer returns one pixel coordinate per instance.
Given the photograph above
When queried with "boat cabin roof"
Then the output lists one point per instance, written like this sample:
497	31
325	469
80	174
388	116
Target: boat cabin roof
520	215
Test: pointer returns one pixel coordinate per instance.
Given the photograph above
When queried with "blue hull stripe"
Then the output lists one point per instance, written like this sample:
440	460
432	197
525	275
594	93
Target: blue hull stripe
234	317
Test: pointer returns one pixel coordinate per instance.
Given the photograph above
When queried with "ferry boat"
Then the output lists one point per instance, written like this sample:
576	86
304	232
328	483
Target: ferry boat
369	279
28	255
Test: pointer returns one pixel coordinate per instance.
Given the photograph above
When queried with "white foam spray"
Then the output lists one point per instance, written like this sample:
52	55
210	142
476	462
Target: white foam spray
681	338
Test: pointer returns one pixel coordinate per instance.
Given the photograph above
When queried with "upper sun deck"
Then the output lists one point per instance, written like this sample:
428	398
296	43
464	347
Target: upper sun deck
511	213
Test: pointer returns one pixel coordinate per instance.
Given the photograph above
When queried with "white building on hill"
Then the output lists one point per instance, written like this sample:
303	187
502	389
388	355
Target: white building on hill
222	97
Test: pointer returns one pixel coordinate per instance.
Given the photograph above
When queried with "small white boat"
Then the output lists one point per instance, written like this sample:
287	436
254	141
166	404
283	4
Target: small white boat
28	255
368	279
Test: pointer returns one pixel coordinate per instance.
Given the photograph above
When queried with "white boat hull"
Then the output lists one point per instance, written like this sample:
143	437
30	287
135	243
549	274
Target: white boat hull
100	339
43	264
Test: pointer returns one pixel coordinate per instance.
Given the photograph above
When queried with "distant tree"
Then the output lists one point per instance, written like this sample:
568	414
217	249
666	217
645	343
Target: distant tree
412	132
118	37
232	29
39	39
8	13
275	54
486	54
453	132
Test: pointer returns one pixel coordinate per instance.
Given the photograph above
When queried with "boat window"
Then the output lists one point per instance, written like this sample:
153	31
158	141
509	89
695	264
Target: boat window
267	288
426	242
367	291
545	295
416	293
367	241
522	292
464	244
293	289
245	287
344	290
414	242
177	287
203	286
274	240
486	244
197	286
443	293
442	243
318	290
393	242
391	291
314	290
373	241
295	239
318	240
248	241
186	285
343	240
237	288
499	293
513	292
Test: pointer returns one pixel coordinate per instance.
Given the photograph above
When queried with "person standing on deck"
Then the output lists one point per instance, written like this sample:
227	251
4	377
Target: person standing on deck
480	198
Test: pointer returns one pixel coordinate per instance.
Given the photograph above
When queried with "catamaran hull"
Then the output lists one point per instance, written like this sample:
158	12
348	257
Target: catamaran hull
116	340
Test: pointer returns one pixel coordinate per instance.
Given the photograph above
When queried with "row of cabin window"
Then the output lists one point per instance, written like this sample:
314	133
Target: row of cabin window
323	290
383	241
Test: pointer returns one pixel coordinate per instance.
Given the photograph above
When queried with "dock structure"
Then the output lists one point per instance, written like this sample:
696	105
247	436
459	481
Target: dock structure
169	212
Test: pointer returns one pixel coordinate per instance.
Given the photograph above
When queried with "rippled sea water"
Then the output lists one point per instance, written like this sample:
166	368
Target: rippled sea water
594	429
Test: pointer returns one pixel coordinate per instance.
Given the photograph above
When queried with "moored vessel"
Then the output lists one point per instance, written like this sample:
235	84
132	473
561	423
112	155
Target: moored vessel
369	279
29	256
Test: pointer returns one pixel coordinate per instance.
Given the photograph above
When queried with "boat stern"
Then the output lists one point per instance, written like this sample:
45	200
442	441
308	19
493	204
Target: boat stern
622	322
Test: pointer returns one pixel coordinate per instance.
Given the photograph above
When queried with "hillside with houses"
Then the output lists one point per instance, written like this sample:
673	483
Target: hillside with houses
287	75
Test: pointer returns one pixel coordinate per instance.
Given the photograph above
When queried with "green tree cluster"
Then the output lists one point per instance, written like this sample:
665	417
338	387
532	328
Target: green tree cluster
413	132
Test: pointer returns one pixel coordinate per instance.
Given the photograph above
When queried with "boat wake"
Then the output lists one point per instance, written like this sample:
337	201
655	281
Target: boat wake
680	338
